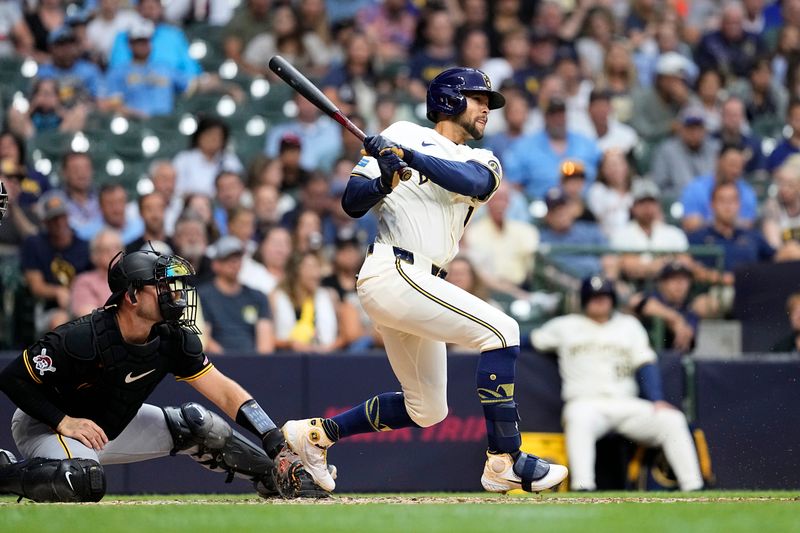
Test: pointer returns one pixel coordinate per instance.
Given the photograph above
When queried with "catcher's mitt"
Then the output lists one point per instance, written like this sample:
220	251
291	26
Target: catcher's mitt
291	479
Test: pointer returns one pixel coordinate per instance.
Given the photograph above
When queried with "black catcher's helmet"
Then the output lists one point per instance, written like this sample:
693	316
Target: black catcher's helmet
173	277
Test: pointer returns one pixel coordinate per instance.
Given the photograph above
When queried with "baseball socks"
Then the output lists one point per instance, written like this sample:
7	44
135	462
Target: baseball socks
383	412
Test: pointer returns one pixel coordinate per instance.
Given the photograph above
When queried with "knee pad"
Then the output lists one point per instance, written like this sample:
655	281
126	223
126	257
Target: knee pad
191	425
54	480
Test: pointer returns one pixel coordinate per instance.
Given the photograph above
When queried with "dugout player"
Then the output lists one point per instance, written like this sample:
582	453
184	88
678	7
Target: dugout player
610	382
401	285
80	393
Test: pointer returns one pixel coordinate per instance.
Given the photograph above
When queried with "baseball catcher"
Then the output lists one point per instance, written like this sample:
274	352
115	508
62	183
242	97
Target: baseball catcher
80	392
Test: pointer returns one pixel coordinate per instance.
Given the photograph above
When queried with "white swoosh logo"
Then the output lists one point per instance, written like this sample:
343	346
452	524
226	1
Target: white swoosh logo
130	379
68	475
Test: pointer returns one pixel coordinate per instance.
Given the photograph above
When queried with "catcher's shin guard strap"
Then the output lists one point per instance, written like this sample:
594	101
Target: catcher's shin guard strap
54	480
502	429
530	468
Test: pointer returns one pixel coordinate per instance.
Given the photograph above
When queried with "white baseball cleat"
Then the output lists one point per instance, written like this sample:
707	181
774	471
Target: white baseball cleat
500	473
307	439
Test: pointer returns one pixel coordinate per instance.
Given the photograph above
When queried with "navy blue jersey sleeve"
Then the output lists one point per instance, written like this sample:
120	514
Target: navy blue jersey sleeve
469	178
360	195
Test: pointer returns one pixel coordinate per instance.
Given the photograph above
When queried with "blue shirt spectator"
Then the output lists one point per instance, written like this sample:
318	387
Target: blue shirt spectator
320	137
149	89
561	228
696	199
169	48
781	153
731	50
77	81
534	163
742	246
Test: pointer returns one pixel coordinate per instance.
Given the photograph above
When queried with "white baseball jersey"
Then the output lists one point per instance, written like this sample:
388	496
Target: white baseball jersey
419	215
596	360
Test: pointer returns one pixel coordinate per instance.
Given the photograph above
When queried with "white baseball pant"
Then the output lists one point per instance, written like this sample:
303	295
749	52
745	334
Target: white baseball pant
418	314
587	419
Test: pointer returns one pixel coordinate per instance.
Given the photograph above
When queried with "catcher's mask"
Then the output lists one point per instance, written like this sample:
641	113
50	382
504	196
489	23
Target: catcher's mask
172	276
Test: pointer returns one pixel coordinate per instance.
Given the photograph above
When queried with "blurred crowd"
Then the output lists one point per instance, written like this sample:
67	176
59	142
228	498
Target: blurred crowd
654	142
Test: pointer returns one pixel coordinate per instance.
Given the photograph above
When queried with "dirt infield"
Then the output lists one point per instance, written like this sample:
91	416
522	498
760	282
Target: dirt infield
426	500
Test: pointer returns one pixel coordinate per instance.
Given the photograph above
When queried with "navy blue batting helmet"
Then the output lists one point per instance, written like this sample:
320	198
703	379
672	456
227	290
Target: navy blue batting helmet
446	91
597	286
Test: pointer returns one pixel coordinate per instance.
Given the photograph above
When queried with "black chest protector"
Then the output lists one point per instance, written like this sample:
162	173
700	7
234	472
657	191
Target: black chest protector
126	374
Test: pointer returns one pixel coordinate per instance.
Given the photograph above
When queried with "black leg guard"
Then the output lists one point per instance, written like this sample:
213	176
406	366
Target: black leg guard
54	480
219	447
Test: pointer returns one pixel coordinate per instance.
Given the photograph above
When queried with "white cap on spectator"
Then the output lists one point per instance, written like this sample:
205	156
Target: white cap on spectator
141	29
672	64
225	247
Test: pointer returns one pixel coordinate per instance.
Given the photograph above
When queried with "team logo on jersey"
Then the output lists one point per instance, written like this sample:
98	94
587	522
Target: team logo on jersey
494	166
43	362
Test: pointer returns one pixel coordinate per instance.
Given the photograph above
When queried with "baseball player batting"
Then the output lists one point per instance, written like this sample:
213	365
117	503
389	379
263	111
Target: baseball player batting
81	390
401	285
610	382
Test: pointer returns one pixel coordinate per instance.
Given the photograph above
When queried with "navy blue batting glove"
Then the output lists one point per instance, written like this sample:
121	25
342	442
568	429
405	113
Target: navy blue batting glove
378	145
393	170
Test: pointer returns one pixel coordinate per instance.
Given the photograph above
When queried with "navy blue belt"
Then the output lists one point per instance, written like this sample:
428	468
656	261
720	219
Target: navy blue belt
408	257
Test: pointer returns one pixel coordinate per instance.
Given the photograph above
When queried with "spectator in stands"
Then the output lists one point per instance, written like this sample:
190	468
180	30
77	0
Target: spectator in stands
113	199
529	70
561	229
618	80
267	268
655	108
608	132
765	98
230	194
197	168
203	206
573	185
610	381
730	50
500	248
314	18
77	178
293	175
790	145
78	20
533	161
609	198
45	112
190	241
647	233
90	289
305	50
265	208
391	26
152	210
46	18
13	158
307	235
305	312
781	212
242	225
339	223
670	303
512	66
51	260
320	137
667	38
683	157
576	89
251	19
697	199
733	130
20	220
78	80
163	176
238	319
473	51
351	83
598	34
168	44
15	36
708	86
740	246
141	88
516	113
314	196
436	53
109	20
189	12
791	343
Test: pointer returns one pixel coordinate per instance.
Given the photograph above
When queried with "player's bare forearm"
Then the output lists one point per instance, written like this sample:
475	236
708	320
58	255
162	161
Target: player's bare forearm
222	391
